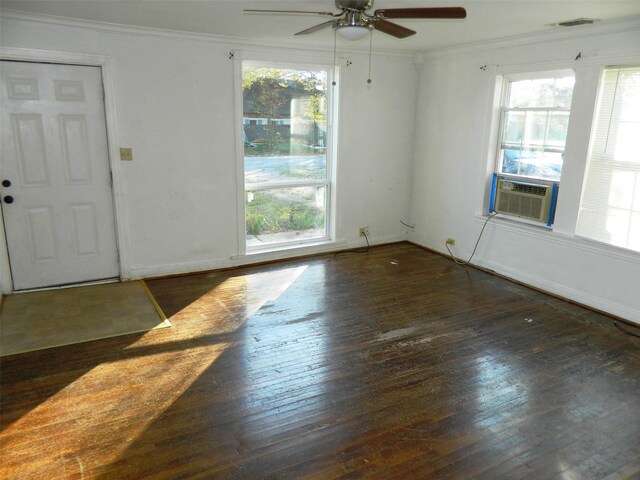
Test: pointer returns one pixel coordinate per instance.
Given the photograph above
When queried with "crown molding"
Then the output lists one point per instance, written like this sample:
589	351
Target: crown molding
629	24
222	40
558	33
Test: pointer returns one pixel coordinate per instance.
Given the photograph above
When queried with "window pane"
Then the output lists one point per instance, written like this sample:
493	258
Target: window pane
535	128
532	162
542	92
514	127
627	144
563	91
259	169
546	130
558	126
634	229
285	215
285	124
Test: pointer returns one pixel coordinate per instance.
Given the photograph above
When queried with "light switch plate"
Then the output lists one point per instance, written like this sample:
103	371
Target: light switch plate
126	154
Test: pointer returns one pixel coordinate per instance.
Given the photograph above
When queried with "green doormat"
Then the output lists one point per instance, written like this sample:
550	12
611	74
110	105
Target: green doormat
52	318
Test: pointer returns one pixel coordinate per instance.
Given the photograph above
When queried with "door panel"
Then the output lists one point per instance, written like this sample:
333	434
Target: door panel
30	149
40	234
75	148
60	227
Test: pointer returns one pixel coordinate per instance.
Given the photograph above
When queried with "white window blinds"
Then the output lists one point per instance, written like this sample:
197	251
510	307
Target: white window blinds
610	203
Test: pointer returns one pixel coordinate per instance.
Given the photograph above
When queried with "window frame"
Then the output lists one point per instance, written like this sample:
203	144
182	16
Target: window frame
602	160
588	72
504	81
328	183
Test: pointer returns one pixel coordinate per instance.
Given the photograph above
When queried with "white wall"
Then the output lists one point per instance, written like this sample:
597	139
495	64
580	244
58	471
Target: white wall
174	104
452	168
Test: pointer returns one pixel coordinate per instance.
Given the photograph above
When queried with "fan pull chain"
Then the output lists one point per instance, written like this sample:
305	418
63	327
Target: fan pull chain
370	49
335	39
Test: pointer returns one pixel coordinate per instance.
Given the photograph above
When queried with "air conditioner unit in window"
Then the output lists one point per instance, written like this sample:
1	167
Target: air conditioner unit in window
533	201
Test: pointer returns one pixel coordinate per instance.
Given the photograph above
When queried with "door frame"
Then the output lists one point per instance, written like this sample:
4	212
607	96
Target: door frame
105	63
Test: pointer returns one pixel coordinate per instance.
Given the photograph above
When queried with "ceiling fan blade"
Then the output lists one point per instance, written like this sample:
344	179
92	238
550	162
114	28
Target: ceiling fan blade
440	12
392	29
316	28
289	12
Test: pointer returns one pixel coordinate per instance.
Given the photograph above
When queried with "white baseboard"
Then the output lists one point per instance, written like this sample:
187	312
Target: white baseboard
563	291
136	273
593	301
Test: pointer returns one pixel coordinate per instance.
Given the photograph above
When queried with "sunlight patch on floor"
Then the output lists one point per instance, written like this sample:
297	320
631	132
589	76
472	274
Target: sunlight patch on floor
60	453
229	305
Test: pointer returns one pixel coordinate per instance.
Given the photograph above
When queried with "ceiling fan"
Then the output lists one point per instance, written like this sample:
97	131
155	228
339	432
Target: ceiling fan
354	20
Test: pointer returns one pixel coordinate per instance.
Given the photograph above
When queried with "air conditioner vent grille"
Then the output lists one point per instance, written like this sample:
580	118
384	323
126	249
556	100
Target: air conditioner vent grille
527	207
530	189
523	199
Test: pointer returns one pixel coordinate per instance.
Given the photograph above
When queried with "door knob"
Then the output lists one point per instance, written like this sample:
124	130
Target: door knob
6	183
8	199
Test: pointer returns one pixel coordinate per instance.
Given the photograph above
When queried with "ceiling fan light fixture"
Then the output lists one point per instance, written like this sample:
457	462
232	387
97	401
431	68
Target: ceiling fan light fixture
353	22
352	32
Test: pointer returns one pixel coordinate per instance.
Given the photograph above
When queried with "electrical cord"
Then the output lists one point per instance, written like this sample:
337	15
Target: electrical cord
361	250
407	225
624	330
460	262
366	238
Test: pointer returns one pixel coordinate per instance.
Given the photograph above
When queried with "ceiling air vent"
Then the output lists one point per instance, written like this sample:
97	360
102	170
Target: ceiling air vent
576	22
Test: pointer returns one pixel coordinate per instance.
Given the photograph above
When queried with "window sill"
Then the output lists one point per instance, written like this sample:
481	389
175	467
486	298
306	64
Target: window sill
538	230
279	247
280	252
515	221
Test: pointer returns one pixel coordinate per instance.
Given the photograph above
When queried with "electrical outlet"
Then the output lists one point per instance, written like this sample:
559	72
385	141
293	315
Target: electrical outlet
126	154
450	241
364	231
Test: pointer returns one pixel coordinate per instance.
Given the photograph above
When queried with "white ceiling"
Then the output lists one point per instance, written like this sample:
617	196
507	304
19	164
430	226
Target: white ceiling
486	20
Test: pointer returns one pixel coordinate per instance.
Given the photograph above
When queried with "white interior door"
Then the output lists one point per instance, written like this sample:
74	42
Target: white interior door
57	201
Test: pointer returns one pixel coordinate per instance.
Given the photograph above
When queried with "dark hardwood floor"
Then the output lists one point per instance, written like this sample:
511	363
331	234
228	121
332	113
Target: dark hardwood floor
392	364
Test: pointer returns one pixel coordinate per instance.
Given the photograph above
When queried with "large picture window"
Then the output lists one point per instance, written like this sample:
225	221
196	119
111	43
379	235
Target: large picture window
533	125
287	166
